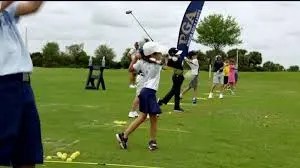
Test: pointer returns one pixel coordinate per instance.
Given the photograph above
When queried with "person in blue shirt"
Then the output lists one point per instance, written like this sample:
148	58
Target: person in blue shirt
20	131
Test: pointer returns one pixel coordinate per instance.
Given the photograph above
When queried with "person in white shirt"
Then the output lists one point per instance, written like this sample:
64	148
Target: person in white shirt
20	130
132	75
151	69
192	61
139	85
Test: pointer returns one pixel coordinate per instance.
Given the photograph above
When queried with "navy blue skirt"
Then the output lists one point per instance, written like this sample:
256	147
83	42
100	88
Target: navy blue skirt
148	102
20	131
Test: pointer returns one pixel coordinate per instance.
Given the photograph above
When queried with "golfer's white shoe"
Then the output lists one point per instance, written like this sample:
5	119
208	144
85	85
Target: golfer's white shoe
210	96
131	114
136	114
221	96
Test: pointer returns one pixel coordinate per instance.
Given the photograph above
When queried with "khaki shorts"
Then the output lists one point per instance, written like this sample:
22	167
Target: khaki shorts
194	82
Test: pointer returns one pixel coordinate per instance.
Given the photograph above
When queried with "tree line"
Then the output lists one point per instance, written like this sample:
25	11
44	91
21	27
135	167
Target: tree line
76	57
215	31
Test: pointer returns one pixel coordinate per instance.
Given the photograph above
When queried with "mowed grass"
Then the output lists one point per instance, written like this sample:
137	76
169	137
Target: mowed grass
257	127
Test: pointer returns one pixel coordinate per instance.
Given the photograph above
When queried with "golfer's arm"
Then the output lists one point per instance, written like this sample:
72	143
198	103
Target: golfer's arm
131	69
189	61
28	7
5	4
129	53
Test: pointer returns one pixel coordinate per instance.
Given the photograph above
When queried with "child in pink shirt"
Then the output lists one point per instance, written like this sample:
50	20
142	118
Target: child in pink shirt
231	76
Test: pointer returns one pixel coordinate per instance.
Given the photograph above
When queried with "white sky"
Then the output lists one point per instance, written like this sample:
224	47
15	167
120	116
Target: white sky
271	28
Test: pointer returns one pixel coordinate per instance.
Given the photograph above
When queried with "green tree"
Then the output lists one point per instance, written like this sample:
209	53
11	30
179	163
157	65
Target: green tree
269	66
279	67
203	61
50	54
255	58
37	59
212	53
65	60
116	65
293	68
233	53
272	67
244	63
125	60
104	50
243	60
217	32
78	55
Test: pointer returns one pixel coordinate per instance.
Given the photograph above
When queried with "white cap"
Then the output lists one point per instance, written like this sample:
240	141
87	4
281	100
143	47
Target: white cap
152	47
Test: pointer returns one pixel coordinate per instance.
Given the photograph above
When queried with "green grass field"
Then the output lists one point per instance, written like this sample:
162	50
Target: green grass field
257	128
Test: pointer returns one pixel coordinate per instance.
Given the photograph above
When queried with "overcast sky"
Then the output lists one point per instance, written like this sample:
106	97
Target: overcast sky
271	28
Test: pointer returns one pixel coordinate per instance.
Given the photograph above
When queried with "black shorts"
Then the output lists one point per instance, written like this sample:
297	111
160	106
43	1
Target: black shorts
225	80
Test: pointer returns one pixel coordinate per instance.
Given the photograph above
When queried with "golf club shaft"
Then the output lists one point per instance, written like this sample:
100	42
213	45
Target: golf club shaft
141	26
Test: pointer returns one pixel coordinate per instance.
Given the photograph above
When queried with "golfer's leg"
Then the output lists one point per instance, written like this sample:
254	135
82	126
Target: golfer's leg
170	94
185	90
153	127
135	124
177	86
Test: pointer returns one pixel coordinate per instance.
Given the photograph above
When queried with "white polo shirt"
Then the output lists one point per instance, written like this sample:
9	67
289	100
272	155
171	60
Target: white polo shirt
194	66
151	73
14	56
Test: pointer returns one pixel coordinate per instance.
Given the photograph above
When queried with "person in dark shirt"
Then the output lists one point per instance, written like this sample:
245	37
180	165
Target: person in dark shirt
218	77
174	61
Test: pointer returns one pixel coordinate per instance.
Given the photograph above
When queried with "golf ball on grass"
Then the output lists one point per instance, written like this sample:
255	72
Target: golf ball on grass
77	153
69	160
73	156
48	158
59	154
64	156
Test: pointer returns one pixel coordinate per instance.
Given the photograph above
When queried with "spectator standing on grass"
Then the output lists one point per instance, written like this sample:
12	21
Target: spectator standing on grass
218	77
231	76
226	73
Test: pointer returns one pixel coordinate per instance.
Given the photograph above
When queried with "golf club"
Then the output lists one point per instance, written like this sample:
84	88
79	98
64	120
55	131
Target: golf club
130	12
